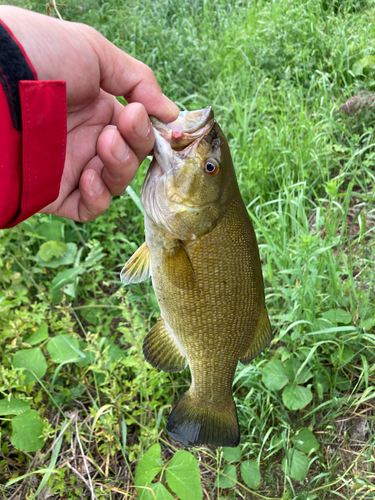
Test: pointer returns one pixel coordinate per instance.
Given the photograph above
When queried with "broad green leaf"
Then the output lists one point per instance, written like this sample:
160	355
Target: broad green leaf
323	377
65	260
148	467
39	335
341	356
358	484
155	491
232	454
63	279
27	431
32	360
357	68
113	351
305	440
90	315
47	472
250	474
90	356
145	493
13	407
296	464
342	383
319	389
161	493
274	375
63	348
367	61
368	323
296	397
227	478
347	354
70	290
285	355
336	316
183	476
52	230
286	496
51	249
292	366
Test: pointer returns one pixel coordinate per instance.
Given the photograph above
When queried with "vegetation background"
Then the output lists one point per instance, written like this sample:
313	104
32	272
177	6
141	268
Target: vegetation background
79	406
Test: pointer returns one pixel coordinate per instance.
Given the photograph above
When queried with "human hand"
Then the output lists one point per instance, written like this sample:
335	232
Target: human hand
106	141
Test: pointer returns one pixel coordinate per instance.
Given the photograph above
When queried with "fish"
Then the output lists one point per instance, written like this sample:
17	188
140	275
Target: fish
201	251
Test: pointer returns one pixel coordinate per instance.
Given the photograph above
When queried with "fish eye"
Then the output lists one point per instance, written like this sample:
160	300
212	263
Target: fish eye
211	166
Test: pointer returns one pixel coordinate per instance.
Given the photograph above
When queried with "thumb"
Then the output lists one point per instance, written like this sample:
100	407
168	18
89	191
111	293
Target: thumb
121	74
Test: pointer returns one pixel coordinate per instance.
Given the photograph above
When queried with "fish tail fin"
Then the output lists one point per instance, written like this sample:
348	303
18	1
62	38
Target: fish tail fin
194	423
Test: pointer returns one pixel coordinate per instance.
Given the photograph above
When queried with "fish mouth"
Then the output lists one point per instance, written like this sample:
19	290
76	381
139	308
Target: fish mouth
180	135
187	122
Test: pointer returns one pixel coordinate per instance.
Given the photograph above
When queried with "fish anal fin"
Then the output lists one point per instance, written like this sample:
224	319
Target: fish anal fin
194	423
161	350
262	337
138	267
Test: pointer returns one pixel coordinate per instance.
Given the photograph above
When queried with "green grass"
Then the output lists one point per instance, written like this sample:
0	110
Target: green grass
275	73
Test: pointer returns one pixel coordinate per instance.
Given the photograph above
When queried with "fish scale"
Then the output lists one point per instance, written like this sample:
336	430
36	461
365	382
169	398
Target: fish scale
202	254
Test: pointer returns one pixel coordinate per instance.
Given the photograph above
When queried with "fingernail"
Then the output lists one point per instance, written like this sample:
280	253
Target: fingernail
173	108
119	148
141	125
96	184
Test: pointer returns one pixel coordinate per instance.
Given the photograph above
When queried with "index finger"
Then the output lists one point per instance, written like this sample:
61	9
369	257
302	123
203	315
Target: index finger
122	74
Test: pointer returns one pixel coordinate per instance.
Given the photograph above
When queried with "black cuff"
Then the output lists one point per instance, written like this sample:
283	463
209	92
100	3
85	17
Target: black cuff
13	68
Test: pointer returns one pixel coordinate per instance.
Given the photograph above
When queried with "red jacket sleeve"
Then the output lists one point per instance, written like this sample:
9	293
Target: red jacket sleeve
32	146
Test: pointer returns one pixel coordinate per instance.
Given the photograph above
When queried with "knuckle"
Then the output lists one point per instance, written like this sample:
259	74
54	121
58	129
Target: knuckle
87	216
88	212
147	72
89	31
116	179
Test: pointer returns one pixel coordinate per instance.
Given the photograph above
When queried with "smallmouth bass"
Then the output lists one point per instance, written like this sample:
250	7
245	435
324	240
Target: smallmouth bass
202	254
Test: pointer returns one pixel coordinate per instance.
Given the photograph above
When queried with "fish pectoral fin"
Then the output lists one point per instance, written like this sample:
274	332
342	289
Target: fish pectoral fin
262	337
161	350
138	267
183	275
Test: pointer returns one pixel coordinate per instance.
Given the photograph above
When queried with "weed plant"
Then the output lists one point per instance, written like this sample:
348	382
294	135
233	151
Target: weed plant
76	392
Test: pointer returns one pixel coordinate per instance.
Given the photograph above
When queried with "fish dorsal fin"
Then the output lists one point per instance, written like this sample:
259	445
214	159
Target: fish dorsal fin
262	337
161	350
138	267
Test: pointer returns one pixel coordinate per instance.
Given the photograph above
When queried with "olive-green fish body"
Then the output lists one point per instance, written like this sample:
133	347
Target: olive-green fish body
208	282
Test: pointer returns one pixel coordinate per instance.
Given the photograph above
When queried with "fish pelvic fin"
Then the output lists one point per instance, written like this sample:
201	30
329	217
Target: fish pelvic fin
161	350
138	267
193	423
262	337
